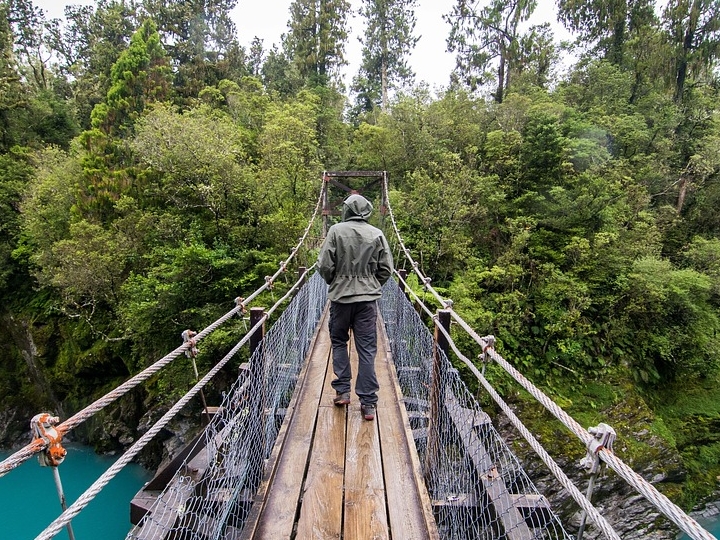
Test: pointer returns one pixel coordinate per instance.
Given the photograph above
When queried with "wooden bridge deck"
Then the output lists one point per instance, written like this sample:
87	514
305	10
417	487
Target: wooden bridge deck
333	474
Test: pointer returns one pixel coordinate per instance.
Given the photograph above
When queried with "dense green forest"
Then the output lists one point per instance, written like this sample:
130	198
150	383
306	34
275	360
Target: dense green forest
152	169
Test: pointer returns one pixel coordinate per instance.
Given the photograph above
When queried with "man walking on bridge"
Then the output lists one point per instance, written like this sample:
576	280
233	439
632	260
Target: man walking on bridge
355	261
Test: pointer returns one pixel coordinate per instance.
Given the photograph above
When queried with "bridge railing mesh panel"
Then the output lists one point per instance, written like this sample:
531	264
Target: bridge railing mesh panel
478	488
212	492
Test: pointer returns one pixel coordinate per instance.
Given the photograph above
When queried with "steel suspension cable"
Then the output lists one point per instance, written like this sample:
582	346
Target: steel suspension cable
667	507
555	469
416	267
660	501
36	446
85	499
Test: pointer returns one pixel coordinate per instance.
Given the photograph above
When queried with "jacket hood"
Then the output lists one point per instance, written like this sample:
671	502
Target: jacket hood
356	207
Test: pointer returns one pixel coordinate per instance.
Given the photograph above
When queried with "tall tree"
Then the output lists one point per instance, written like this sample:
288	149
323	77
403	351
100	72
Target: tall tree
12	93
89	44
141	75
693	29
31	30
200	37
536	55
280	74
481	37
317	37
606	23
387	43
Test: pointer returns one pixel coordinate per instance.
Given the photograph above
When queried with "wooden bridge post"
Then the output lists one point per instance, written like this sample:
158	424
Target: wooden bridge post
326	205
301	274
256	314
403	275
437	394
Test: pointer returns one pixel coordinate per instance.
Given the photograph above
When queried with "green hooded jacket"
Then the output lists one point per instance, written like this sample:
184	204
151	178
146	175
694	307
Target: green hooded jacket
355	259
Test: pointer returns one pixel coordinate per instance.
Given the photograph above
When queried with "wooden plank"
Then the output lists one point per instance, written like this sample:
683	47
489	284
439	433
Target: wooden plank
165	517
277	516
322	503
509	515
409	508
271	467
365	513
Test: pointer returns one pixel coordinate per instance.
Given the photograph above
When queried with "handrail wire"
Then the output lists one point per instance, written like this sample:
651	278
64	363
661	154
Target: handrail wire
73	510
416	267
38	445
575	493
660	501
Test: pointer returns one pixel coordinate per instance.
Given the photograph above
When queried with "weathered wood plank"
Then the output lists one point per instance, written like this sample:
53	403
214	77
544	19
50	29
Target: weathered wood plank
322	503
365	513
345	492
409	508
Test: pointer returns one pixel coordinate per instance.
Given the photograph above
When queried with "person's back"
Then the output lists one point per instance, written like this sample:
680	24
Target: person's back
355	261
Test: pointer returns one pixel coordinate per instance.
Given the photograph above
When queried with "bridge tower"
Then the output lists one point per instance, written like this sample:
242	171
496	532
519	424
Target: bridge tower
343	183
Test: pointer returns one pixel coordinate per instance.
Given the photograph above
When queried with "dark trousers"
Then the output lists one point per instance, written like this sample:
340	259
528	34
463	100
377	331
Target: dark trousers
361	317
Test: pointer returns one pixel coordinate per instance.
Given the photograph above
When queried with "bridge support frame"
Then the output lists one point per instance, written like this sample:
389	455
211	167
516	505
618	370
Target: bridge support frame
332	178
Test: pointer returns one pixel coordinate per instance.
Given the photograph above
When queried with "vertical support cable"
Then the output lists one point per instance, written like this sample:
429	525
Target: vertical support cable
63	503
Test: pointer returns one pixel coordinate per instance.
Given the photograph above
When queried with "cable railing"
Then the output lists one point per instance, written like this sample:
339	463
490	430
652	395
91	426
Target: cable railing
213	490
302	326
601	453
478	487
241	304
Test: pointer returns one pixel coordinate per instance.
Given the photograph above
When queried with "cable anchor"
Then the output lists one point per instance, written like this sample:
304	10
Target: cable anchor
187	337
603	439
489	344
239	303
43	428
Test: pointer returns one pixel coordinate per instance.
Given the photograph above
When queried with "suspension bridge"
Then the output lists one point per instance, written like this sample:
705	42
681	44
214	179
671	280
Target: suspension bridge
275	459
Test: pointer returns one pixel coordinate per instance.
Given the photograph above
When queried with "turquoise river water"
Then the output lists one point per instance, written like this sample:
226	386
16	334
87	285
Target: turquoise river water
29	500
712	526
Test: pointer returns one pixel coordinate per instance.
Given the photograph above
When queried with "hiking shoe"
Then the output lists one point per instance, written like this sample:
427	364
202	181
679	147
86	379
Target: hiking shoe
342	399
368	411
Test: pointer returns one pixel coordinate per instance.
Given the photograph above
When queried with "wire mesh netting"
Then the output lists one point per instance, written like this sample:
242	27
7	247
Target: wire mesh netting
212	492
478	487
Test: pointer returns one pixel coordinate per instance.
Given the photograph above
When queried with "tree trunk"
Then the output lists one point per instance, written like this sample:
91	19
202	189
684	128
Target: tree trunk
682	62
499	93
383	79
684	186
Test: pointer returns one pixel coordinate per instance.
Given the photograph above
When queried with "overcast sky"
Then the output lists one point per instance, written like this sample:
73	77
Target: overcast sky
267	19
